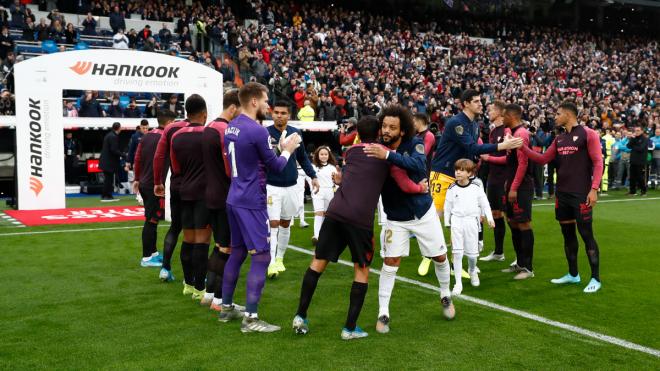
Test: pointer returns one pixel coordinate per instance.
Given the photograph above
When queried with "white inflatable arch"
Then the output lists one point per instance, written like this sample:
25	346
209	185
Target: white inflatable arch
39	112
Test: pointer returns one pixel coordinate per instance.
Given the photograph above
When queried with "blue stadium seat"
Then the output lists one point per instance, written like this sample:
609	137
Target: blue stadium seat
49	46
124	100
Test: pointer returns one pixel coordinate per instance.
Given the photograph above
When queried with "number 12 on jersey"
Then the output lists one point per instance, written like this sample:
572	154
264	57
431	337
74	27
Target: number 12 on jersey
232	154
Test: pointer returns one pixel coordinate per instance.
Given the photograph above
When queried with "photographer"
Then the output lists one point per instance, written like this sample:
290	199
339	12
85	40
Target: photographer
348	132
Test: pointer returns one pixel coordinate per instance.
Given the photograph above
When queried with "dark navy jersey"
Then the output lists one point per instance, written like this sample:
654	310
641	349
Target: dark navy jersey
289	176
401	206
459	140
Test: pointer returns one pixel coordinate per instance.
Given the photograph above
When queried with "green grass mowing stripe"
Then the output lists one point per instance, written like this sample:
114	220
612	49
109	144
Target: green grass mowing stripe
578	330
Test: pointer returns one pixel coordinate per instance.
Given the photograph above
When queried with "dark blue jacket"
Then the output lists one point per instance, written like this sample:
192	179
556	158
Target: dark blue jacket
400	206
132	146
459	140
289	176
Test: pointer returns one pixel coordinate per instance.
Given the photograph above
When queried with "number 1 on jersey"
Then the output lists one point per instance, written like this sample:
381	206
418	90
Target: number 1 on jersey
232	154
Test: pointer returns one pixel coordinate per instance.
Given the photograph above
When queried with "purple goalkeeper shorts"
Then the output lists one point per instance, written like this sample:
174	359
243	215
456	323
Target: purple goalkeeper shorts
249	228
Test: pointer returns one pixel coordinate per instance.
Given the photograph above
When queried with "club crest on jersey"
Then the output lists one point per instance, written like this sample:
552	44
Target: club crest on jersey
459	130
420	149
575	138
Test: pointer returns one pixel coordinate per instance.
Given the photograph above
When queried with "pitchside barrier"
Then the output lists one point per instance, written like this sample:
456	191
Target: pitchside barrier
40	123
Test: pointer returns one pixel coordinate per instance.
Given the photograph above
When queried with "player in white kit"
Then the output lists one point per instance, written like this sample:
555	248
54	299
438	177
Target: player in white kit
325	165
465	203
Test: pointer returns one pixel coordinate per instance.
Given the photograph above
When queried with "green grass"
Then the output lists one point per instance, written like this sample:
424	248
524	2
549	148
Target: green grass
79	300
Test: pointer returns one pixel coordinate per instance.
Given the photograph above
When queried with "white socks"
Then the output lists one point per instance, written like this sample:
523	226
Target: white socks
385	287
208	296
217	301
318	221
283	236
273	244
443	275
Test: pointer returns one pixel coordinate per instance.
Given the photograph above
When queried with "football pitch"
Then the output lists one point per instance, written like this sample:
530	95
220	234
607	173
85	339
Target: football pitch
75	297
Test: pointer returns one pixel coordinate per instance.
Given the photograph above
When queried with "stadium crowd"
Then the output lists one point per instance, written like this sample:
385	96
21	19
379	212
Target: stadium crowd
332	64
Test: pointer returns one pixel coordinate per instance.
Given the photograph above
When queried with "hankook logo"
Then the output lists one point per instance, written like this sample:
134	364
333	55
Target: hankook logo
125	70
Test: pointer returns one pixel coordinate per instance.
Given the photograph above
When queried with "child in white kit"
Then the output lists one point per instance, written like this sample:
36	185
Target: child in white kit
325	165
465	203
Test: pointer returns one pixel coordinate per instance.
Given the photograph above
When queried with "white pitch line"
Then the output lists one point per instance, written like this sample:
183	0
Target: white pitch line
608	201
578	330
575	329
75	230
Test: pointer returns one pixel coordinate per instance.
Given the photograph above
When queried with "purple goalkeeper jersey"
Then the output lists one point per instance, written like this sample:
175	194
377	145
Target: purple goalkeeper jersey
249	154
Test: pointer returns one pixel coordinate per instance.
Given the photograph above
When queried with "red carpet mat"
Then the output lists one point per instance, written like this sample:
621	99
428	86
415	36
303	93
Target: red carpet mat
77	216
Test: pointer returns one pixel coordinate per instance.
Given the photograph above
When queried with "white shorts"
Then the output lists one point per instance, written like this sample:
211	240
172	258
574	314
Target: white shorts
321	200
465	235
382	217
427	230
283	203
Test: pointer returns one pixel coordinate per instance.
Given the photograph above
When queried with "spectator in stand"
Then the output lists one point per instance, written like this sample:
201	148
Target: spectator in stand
4	17
307	112
149	45
56	31
6	43
227	70
70	110
151	111
120	41
28	15
299	97
165	36
89	25
117	20
7	103
173	105
187	48
145	34
28	30
132	39
327	110
8	70
55	15
17	14
115	109
89	106
70	34
132	111
339	101
43	31
185	36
